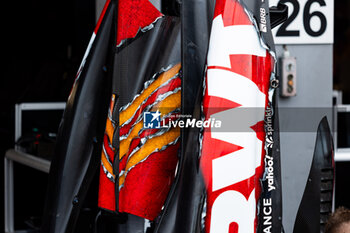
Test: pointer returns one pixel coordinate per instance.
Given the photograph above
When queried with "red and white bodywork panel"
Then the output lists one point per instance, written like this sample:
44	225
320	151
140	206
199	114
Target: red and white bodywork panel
238	74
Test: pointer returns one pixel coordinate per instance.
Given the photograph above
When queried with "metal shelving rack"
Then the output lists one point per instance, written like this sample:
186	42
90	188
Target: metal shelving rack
15	155
340	154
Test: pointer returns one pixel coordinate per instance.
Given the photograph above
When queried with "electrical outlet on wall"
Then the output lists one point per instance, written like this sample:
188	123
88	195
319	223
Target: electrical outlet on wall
289	76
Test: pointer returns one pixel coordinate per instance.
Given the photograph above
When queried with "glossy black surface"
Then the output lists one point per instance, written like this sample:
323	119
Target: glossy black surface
78	147
316	203
274	195
278	14
182	212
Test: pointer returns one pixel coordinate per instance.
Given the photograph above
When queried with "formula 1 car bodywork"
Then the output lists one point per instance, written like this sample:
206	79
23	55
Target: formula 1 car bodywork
316	203
192	62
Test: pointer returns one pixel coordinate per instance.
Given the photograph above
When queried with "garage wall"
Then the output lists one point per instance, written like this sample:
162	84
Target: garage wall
299	118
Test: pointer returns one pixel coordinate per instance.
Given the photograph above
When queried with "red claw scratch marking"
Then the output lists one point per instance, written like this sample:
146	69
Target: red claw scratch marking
147	157
134	15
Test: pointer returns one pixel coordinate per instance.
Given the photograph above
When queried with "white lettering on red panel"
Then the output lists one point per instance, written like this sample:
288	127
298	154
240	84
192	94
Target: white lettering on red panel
238	75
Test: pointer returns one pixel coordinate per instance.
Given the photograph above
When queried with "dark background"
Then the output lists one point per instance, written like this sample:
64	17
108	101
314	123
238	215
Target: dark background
341	81
43	43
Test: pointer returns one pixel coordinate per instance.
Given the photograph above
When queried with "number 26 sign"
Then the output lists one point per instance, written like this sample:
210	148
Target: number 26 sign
309	22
